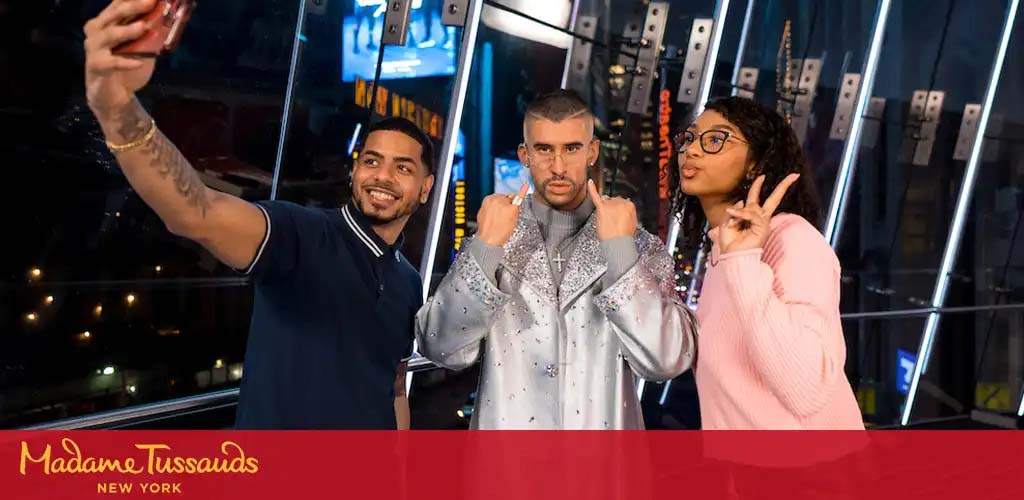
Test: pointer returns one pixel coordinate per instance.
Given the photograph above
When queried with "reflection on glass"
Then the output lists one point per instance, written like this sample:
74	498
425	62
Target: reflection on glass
991	265
105	307
903	192
429	52
509	176
880	362
988	270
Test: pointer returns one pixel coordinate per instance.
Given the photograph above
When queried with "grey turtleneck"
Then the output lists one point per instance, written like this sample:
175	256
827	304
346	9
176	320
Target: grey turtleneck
560	229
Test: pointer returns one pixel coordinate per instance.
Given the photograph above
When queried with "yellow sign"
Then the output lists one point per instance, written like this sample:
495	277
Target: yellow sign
867	400
460	212
392	104
992	396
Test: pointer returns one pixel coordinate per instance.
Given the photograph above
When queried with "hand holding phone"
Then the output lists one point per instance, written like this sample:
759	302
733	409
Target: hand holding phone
164	26
121	45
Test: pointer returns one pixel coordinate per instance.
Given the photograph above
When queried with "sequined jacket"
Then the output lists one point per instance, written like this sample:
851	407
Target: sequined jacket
566	358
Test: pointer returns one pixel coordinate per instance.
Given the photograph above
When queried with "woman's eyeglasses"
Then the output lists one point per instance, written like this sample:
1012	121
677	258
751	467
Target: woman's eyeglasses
711	141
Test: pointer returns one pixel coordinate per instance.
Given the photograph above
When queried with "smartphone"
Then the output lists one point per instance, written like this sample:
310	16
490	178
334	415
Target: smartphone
165	22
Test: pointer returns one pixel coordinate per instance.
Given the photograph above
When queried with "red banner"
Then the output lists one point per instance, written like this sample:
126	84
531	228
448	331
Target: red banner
521	465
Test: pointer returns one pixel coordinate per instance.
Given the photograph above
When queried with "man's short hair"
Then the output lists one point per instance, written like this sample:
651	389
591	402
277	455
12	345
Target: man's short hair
409	129
558	106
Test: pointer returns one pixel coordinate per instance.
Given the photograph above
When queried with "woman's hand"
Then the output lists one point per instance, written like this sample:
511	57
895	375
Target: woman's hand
749	223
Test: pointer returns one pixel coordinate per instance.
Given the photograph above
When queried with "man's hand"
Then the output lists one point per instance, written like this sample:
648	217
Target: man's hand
615	216
749	223
231	228
498	216
111	80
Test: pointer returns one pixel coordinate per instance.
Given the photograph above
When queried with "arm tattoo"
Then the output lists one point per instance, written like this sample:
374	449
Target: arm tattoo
133	123
168	161
165	158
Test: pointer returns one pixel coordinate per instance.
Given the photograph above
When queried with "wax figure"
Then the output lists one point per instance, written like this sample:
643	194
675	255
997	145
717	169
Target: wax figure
560	294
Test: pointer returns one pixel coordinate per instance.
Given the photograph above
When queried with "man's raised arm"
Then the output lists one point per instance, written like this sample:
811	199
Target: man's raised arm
231	228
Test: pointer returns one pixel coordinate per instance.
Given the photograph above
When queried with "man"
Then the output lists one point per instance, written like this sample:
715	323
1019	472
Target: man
560	293
334	299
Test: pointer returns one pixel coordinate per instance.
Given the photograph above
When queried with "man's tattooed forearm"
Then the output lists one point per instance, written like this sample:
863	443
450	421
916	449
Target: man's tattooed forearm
133	123
169	162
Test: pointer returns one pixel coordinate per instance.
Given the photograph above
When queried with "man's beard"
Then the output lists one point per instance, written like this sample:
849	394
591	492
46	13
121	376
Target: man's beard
405	210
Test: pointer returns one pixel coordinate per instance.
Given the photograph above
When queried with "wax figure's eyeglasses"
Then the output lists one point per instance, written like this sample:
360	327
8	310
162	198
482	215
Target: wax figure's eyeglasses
544	156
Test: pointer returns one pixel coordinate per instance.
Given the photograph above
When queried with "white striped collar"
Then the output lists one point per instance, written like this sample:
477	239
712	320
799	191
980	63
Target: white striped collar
368	236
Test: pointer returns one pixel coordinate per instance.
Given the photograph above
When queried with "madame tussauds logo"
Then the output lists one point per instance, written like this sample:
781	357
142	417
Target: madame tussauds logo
152	459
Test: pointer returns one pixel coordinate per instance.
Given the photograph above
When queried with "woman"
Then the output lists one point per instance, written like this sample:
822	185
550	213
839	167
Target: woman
771	347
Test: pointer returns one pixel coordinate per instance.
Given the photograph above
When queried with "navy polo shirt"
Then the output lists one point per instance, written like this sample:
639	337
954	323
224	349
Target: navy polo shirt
332	320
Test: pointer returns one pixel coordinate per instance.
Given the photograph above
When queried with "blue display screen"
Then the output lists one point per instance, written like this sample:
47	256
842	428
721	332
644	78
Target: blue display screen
509	176
429	48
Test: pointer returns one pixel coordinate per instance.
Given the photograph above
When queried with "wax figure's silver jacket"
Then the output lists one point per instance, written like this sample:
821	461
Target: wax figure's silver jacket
566	358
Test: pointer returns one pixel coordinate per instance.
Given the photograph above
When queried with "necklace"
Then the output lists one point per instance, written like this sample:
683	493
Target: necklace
558	260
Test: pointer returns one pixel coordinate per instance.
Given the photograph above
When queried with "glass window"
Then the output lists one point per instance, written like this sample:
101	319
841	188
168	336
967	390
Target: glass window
104	307
904	189
976	358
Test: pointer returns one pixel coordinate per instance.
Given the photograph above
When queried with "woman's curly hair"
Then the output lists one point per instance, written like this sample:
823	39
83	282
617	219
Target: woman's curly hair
776	153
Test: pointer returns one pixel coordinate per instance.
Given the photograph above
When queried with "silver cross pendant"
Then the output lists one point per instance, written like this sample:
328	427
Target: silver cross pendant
558	260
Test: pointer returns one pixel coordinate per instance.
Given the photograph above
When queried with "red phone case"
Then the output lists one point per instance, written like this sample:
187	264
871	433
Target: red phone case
166	23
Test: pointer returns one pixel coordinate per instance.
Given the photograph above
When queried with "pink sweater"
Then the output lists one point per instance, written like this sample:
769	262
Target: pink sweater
771	349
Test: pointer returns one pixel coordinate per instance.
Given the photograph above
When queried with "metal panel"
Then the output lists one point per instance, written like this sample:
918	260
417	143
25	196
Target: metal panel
454	13
922	123
647	60
806	88
578	65
746	83
930	125
968	129
396	22
844	108
911	129
316	7
696	56
994	147
872	122
740	49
